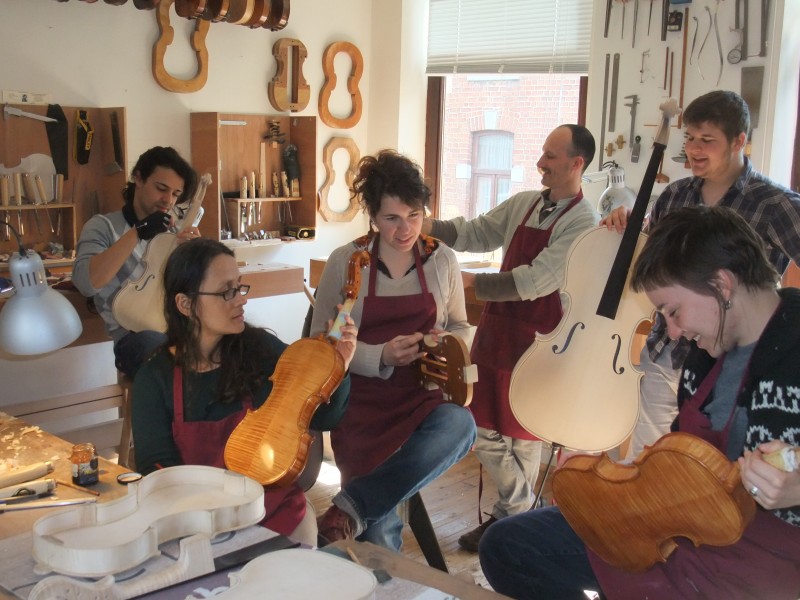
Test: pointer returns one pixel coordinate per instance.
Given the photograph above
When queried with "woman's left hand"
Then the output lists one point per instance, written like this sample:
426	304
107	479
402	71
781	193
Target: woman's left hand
771	487
346	344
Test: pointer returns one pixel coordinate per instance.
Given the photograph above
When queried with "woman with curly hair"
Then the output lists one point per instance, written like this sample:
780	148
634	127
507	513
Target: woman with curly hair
396	436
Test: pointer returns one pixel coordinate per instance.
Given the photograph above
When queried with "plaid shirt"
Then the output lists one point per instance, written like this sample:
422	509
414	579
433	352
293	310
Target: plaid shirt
771	209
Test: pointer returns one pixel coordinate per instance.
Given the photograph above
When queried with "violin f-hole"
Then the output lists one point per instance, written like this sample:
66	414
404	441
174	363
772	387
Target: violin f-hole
617	370
167	35
143	285
569	338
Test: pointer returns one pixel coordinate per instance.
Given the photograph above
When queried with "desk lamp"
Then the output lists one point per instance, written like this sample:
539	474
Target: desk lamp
616	194
36	319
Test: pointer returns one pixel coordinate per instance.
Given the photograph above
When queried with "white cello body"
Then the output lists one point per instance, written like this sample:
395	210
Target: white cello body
585	406
576	386
139	305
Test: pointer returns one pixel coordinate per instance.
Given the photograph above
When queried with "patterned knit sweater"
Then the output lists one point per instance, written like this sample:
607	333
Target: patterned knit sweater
771	393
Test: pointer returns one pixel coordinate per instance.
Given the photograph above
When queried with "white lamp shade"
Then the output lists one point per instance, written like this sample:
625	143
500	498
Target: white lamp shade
616	194
36	319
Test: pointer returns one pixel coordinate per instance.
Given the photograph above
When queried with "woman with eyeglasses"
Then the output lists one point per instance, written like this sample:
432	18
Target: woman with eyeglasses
190	395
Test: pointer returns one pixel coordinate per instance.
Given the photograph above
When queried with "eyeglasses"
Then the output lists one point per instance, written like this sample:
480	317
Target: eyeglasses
228	294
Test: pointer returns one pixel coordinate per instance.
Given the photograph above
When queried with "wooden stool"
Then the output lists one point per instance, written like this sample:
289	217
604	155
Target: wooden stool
126	457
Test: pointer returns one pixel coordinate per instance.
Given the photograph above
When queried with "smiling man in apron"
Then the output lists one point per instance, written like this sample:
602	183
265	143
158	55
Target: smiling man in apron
535	230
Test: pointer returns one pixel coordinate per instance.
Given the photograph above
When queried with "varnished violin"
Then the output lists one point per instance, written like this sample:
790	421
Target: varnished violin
271	443
629	514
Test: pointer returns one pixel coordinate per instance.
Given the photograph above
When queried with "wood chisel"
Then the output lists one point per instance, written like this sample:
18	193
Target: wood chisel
43	199
23	474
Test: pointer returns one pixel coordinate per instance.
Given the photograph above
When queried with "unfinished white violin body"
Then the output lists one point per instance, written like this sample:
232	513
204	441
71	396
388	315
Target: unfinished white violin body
102	539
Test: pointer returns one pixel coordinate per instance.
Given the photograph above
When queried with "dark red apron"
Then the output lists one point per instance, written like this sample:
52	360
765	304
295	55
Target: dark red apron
382	413
764	564
507	329
203	443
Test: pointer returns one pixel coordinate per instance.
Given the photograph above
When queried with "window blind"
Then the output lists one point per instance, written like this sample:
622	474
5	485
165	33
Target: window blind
509	36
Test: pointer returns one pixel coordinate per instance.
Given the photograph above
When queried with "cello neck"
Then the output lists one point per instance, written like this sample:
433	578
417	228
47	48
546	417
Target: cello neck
612	294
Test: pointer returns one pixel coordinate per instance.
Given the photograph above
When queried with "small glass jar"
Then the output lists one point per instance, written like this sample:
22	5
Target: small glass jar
84	464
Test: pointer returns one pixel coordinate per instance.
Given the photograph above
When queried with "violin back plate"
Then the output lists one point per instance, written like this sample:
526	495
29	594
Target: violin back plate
576	386
95	540
628	515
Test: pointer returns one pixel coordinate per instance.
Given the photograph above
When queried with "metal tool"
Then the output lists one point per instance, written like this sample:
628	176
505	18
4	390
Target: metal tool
635	18
43	199
764	22
642	69
650	17
719	43
609	3
45	504
605	104
634	98
18	201
612	112
664	19
10	110
30	194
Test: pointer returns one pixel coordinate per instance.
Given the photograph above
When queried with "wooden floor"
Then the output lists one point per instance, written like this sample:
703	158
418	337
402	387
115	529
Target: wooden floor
452	504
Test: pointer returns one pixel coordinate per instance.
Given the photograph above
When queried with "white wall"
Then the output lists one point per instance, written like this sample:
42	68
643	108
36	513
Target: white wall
95	54
774	136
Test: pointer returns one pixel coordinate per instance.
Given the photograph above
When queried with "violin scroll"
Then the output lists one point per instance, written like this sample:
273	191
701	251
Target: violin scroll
358	261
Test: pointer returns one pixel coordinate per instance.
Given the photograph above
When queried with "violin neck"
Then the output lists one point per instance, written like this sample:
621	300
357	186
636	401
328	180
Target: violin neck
336	329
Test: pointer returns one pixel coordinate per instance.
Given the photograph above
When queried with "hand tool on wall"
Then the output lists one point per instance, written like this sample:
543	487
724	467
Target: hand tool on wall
18	201
764	23
622	31
9	110
650	17
30	194
740	26
664	19
719	42
43	199
605	105
634	98
645	54
609	4
635	18
5	197
683	65
612	111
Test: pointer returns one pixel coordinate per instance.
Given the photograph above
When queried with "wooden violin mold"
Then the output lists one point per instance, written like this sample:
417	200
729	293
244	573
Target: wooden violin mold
681	486
446	365
166	37
353	79
102	539
280	94
334	144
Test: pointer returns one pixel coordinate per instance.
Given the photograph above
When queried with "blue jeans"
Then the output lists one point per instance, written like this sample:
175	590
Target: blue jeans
131	351
441	440
536	554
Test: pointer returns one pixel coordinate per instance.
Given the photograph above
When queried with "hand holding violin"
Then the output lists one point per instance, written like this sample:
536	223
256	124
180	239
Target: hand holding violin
346	344
153	224
770	486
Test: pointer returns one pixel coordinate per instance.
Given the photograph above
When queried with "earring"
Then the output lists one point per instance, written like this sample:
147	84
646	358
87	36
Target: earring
727	305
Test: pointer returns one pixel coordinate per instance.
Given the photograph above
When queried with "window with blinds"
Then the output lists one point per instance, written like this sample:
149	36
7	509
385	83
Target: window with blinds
509	36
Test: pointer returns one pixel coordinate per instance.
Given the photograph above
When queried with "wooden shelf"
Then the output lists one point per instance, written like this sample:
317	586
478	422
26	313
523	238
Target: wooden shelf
90	188
228	145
